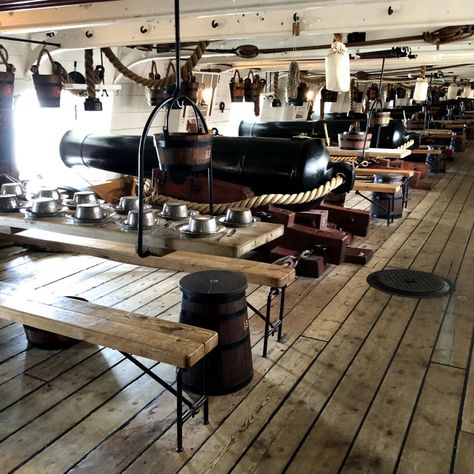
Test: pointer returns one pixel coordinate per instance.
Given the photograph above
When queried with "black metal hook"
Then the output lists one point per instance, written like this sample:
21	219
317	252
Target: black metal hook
143	30
390	10
296	17
89	34
214	24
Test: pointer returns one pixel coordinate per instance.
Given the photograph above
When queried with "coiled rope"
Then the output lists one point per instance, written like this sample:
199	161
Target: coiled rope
186	69
153	197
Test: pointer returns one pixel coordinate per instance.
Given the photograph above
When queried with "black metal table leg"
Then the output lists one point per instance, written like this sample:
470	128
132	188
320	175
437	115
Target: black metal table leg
267	323
405	187
193	407
179	410
282	310
205	389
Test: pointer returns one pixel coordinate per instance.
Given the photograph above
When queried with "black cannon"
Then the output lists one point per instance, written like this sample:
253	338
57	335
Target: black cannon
266	165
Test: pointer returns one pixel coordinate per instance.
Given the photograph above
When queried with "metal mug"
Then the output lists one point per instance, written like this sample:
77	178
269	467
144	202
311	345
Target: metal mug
202	224
13	188
239	216
148	218
84	197
128	203
89	211
44	205
8	202
175	210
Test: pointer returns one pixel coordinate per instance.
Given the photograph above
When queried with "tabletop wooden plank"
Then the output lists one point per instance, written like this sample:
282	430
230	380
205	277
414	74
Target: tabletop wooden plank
376	187
372	171
160	240
184	261
370	153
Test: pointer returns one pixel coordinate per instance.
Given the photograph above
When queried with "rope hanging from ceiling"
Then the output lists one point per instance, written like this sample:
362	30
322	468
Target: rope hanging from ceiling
186	69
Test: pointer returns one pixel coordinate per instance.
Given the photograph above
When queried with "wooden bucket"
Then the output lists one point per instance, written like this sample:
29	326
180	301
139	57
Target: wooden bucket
328	96
401	92
353	140
237	88
190	88
7	79
372	92
48	86
380	118
252	87
382	210
183	151
215	299
154	95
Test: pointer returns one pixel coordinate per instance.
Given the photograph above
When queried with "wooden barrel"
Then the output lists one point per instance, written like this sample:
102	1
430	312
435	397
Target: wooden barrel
215	299
382	209
41	339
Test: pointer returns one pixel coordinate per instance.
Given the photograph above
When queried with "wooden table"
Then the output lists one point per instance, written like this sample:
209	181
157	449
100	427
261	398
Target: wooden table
158	241
391	153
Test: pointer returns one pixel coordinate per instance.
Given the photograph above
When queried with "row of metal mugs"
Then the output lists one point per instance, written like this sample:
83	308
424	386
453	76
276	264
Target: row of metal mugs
88	208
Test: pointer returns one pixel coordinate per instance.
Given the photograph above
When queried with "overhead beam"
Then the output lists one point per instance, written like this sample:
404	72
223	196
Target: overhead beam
135	22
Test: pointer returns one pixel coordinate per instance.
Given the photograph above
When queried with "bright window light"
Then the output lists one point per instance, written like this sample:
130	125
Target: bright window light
38	133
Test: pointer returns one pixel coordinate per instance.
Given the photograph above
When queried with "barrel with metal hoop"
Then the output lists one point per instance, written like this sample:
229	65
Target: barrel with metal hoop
436	163
41	339
215	299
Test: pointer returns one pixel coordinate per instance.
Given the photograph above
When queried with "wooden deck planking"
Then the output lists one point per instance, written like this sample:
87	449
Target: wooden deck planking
136	436
430	440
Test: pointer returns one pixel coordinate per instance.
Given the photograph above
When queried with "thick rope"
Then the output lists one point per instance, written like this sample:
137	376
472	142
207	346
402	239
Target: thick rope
142	81
90	76
256	201
276	86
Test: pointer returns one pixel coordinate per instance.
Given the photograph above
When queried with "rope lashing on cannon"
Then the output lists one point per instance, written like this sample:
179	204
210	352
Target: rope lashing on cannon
153	197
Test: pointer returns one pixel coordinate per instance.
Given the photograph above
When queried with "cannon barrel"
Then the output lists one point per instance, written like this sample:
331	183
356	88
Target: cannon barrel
392	135
266	165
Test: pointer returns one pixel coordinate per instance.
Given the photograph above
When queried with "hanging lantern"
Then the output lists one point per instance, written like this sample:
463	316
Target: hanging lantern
338	73
452	90
420	93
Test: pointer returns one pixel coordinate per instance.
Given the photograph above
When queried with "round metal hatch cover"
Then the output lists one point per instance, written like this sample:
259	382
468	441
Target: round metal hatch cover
413	283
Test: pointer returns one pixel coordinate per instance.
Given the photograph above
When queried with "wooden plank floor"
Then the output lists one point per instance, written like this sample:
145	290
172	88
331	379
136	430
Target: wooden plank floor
362	381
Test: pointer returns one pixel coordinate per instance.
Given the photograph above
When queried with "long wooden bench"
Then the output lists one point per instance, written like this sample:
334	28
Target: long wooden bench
173	343
276	277
386	188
